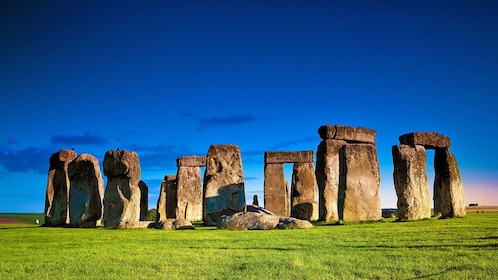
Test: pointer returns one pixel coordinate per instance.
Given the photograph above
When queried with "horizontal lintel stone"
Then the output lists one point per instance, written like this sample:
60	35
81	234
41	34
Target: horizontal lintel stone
169	178
289	157
430	140
347	133
191	161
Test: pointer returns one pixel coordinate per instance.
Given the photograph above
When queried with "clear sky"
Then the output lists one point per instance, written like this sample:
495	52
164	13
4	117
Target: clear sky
169	78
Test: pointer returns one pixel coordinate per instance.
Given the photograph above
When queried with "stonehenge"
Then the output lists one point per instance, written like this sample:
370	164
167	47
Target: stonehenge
144	200
189	188
166	203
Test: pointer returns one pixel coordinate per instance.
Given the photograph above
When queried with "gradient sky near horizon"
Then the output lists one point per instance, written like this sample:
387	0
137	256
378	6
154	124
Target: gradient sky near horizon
169	78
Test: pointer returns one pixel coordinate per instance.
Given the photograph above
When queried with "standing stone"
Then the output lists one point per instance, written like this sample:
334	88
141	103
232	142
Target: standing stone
144	201
410	182
122	194
359	198
223	183
255	201
166	203
58	185
276	190
327	176
304	192
448	190
86	192
189	193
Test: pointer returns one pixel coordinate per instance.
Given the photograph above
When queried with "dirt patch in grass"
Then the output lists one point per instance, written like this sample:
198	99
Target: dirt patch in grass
7	221
471	209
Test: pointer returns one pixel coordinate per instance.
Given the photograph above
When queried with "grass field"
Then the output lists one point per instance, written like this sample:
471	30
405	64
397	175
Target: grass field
460	248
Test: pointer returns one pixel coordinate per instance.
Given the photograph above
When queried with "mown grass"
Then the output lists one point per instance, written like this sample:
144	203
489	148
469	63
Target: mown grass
29	218
461	248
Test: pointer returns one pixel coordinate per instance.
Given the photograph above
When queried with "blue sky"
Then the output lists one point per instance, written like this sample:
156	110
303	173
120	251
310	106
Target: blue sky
169	78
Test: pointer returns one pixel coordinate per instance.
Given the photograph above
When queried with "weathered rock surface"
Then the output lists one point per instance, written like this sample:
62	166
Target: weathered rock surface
347	133
122	194
359	198
260	221
257	209
172	224
166	202
191	161
304	190
223	183
189	193
276	190
430	140
327	176
410	182
448	190
289	157
58	186
144	200
86	192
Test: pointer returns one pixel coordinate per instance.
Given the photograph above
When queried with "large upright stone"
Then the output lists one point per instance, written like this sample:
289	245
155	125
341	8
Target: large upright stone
347	133
189	193
223	183
430	140
122	194
448	190
276	190
58	186
359	198
86	193
144	200
166	203
304	192
410	182
327	176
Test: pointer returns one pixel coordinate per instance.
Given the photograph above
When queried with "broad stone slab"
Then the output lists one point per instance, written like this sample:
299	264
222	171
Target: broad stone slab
347	133
144	200
276	190
430	140
58	186
166	203
289	157
260	221
304	189
327	176
172	224
410	182
191	161
448	190
122	194
223	183
359	198
189	193
86	193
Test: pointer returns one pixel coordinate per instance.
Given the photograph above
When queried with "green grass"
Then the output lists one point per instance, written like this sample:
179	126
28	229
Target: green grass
24	217
461	248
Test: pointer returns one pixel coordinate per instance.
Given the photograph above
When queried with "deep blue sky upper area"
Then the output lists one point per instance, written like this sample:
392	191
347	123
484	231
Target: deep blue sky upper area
169	78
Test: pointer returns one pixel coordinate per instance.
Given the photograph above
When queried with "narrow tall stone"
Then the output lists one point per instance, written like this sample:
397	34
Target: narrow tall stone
189	193
304	192
410	182
144	200
327	176
223	183
448	190
86	193
58	186
122	194
359	198
276	190
166	203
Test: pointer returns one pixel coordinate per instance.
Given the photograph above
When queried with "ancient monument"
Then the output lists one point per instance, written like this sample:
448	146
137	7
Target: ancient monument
302	202
166	203
86	192
189	187
58	186
144	200
122	194
410	177
223	183
347	173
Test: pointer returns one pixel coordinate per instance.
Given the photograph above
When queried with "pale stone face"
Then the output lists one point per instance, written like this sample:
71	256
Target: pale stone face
189	193
166	202
276	190
304	192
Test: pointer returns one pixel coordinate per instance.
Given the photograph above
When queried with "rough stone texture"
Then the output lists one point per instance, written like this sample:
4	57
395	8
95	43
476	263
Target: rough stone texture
260	221
448	190
410	182
327	176
192	161
223	183
189	193
289	157
276	190
166	203
144	200
122	194
359	198
304	192
347	133
172	224
430	140
58	186
257	209
86	192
